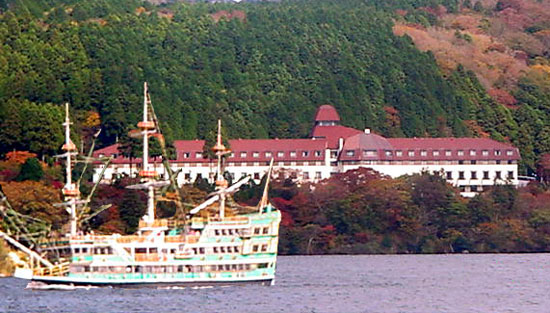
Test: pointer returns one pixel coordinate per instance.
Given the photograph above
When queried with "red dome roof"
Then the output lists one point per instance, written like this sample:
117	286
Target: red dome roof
326	113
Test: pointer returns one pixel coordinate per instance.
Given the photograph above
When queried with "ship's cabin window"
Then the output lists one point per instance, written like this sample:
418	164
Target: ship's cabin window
153	250
141	250
201	250
229	250
264	247
217	232
236	249
215	249
265	230
256	231
255	248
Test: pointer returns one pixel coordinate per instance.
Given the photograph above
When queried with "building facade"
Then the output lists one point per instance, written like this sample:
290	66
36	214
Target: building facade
472	164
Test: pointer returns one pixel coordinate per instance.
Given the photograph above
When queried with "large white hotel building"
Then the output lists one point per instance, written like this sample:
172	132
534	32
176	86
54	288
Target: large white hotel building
469	163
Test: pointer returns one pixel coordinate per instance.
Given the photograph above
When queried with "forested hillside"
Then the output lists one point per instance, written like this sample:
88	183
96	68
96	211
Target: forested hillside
263	67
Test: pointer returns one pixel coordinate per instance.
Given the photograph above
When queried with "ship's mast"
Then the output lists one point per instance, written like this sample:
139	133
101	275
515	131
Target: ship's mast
221	183
147	127
70	192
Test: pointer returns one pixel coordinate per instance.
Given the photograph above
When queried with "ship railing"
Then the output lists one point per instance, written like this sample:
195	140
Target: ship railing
233	220
130	239
56	270
93	238
152	257
169	223
178	238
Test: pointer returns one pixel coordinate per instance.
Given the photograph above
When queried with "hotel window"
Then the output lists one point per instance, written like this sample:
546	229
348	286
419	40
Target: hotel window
497	175
510	175
318	175
388	153
460	152
280	154
292	154
509	152
423	153
369	153
187	176
497	152
350	153
484	152
473	188
268	154
306	175
232	155
410	153
436	153
461	175
199	155
305	153
186	155
485	174
256	175
398	153
317	153
243	154
449	175
473	175
472	152
255	154
448	152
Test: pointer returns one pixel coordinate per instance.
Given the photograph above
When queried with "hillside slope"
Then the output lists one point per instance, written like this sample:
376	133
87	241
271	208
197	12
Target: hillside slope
264	68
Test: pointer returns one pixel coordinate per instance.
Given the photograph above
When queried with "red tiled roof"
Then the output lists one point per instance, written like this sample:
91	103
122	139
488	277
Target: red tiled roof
436	149
333	133
107	151
361	142
303	149
189	151
326	113
455	145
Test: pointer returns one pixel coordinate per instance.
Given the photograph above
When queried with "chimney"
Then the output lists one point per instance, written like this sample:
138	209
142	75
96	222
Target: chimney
367	130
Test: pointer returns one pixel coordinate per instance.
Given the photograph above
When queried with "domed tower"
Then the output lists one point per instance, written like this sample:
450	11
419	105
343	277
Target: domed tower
327	116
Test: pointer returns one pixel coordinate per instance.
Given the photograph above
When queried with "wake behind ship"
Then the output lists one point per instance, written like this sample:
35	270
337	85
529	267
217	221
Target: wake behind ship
213	244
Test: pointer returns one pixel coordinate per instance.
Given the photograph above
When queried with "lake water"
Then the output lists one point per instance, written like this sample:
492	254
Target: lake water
396	283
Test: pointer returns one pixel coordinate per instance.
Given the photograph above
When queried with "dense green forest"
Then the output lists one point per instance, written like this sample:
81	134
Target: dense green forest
263	67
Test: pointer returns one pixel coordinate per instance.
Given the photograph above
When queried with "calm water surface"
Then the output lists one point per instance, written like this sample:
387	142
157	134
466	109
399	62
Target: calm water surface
398	283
